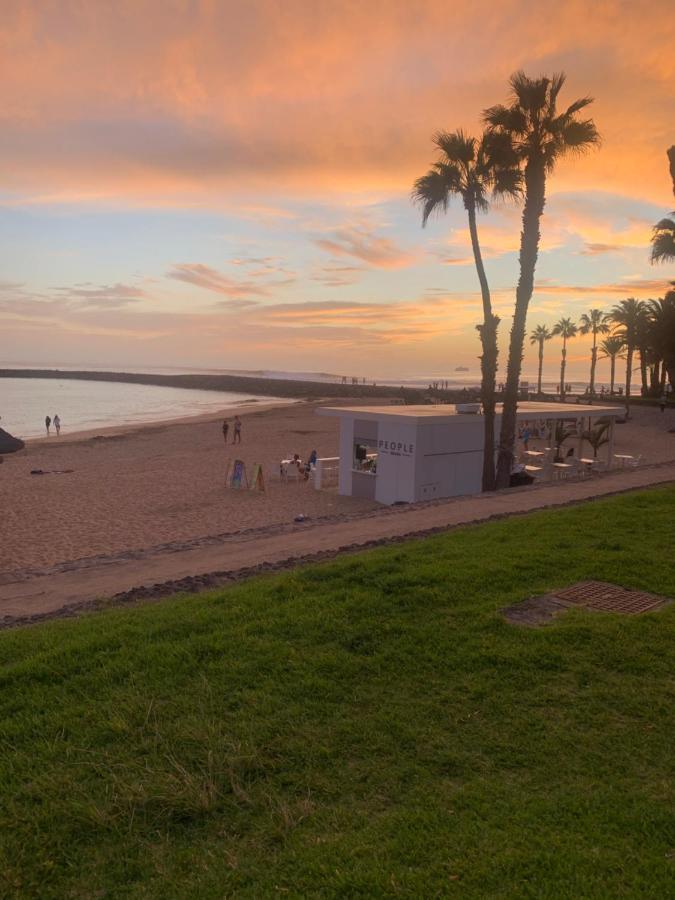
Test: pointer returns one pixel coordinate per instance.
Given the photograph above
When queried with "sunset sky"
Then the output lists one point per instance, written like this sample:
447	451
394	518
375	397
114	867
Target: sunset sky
227	184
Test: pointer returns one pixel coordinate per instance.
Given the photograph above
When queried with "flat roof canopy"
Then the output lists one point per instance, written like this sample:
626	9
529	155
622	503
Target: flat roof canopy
443	412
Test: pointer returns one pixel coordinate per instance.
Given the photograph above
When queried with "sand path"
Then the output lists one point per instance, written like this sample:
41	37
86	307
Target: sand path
32	594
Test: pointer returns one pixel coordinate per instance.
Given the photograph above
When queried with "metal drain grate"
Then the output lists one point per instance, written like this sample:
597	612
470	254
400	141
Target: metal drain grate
608	597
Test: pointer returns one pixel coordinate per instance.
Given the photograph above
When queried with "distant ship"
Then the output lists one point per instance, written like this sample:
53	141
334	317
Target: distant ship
461	369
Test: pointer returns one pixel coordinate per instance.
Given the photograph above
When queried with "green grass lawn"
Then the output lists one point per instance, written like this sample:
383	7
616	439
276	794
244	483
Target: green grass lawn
368	727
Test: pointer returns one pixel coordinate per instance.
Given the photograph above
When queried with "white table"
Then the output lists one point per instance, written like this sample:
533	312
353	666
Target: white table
561	469
624	457
534	453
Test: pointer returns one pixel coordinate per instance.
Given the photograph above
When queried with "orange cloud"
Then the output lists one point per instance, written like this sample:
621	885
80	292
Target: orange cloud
179	100
363	245
212	280
641	287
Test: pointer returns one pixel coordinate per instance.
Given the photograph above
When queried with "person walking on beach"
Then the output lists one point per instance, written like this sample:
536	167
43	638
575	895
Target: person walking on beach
662	402
48	422
237	431
226	428
57	424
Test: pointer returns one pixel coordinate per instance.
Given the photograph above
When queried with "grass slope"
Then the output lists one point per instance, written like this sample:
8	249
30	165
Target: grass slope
364	728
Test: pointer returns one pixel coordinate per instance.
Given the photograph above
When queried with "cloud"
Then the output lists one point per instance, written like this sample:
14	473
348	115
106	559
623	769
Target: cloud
599	249
455	260
628	287
212	280
364	245
336	275
89	296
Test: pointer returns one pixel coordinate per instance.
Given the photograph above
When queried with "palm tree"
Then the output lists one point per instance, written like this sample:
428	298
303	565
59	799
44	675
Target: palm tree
597	436
567	329
628	317
662	341
611	347
663	238
593	322
663	241
541	136
537	336
473	169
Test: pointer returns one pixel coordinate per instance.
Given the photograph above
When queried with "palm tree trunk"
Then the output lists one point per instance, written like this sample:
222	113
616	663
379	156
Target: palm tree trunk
612	373
563	364
629	373
541	366
594	360
535	199
488	359
643	372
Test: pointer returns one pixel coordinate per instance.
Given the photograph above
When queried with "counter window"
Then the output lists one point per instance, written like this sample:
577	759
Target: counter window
365	458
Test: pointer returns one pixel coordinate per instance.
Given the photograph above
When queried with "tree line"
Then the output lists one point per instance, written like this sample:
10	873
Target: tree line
645	327
522	142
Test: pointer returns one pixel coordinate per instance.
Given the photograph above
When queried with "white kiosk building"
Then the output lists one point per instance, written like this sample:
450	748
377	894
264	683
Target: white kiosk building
406	454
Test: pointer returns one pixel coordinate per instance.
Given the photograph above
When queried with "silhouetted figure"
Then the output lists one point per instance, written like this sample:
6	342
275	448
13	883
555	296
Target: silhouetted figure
48	422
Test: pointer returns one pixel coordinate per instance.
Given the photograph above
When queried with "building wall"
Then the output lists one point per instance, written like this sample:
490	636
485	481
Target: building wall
449	459
396	449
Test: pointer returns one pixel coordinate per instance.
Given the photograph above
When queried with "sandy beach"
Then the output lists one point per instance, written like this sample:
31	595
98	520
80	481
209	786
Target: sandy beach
140	488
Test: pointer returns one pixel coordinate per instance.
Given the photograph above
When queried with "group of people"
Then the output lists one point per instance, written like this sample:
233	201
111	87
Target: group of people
303	468
236	436
56	422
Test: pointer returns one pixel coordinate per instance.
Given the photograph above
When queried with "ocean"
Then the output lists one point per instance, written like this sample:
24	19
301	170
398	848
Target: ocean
85	405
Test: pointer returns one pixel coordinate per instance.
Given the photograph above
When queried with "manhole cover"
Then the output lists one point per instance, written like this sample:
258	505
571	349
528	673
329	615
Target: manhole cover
609	597
596	595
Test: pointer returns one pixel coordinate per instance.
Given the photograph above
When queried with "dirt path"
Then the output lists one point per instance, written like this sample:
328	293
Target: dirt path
32	594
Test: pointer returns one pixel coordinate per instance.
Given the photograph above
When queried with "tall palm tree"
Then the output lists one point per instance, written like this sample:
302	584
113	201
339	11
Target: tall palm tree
541	135
593	322
663	238
611	347
537	336
474	169
628	317
567	329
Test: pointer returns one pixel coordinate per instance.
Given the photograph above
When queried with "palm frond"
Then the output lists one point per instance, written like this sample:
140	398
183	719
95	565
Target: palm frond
577	136
510	119
456	145
432	193
578	105
530	94
663	241
558	79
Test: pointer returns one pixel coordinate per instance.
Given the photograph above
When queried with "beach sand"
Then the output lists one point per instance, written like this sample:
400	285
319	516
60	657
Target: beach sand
141	488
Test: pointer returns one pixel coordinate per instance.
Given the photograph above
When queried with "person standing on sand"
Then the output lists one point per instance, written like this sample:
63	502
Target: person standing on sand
48	422
57	424
226	428
237	431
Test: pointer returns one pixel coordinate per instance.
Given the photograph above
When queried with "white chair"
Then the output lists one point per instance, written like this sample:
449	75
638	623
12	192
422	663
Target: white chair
634	463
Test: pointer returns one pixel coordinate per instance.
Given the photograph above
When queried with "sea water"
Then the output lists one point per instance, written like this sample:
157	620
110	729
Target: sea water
85	405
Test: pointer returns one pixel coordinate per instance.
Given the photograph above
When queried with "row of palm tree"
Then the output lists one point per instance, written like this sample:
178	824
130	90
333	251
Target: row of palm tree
520	147
643	326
